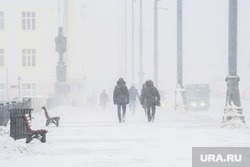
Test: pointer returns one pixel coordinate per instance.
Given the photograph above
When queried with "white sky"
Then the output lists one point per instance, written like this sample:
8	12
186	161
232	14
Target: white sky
205	45
205	31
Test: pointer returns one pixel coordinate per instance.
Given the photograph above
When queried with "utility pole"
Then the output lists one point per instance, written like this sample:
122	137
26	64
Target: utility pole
233	95
122	68
179	44
65	17
59	13
125	37
132	44
180	97
156	43
141	73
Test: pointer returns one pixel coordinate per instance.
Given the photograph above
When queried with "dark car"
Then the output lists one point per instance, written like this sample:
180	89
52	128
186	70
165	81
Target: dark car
198	96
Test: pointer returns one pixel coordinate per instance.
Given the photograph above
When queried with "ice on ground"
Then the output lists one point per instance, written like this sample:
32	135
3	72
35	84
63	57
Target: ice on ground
94	138
9	148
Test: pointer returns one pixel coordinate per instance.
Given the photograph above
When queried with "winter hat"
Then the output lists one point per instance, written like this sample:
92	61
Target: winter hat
121	81
149	83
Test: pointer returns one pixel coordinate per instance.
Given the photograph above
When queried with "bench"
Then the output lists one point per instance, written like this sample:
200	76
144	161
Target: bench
31	134
54	120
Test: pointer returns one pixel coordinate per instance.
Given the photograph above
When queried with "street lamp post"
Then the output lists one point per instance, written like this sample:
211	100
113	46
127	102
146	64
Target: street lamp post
233	95
132	43
61	85
125	37
180	97
156	43
179	44
141	74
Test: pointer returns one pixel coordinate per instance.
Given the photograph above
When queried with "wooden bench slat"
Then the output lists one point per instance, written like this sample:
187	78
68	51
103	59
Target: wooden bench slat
38	134
49	120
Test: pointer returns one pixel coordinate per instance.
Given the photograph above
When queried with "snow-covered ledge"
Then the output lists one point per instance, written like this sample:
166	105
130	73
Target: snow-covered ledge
180	106
234	113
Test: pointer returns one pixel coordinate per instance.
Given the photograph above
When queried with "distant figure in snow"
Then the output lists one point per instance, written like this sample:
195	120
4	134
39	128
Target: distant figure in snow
143	102
150	98
91	101
104	99
133	93
121	98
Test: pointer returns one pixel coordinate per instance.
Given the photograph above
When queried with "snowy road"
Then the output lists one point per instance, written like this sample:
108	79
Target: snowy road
95	138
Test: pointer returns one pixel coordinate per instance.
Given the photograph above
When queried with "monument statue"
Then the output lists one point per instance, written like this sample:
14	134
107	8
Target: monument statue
62	87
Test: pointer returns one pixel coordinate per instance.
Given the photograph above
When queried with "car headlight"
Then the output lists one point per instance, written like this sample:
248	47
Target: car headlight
193	104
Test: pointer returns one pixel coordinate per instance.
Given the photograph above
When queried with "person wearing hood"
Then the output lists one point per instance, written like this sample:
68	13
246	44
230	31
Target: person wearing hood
143	102
121	98
133	93
150	97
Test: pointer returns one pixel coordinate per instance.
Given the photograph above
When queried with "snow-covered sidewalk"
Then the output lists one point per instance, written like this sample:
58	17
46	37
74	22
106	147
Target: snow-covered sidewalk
95	138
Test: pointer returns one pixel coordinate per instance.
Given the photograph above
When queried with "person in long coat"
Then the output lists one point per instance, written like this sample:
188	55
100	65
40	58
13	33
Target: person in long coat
143	102
133	94
150	98
121	98
104	99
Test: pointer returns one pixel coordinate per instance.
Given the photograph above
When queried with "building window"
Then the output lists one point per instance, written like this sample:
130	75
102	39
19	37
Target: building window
1	57
28	21
29	57
1	20
28	89
1	92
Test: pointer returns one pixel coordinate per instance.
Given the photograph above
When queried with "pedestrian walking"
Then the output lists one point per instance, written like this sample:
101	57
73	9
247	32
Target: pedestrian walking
121	98
133	93
104	99
150	98
143	102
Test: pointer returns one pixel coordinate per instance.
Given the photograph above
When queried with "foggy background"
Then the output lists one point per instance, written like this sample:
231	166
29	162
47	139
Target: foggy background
99	33
205	42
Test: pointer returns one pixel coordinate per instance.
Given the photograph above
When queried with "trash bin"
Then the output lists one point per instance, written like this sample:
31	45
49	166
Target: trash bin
18	128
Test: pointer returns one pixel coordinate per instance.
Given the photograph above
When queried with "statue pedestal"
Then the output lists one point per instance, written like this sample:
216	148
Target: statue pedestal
61	91
61	86
61	69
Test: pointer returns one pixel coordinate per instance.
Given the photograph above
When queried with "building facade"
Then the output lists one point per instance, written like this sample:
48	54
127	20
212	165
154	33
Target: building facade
27	47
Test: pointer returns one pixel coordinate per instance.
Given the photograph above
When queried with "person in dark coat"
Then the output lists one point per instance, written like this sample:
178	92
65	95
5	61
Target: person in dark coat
121	98
143	102
150	98
133	93
104	99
